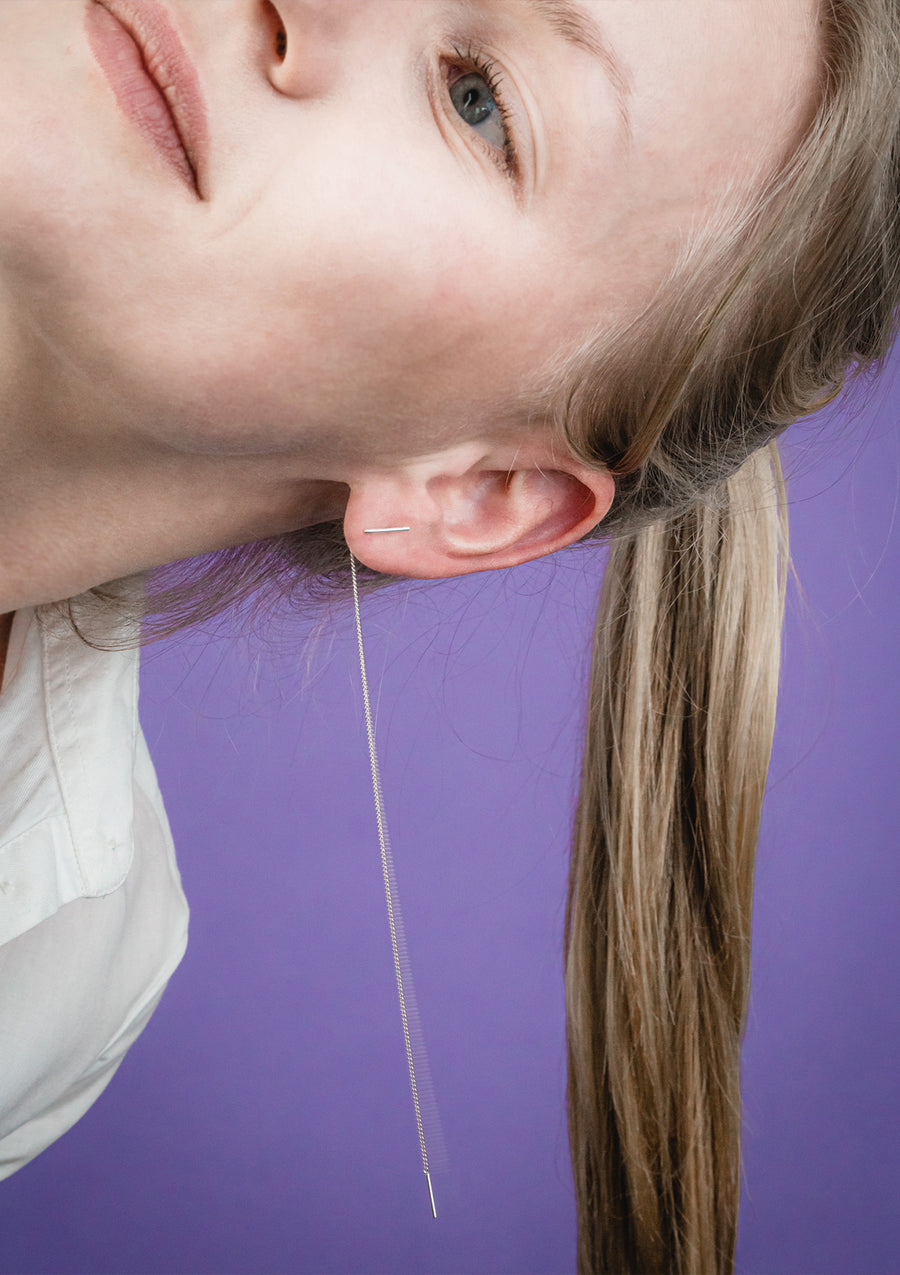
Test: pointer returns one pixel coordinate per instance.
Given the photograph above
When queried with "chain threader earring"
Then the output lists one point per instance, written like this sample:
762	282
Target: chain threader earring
408	1010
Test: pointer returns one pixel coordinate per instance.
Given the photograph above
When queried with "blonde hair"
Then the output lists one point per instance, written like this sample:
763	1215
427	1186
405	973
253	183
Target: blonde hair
683	407
752	329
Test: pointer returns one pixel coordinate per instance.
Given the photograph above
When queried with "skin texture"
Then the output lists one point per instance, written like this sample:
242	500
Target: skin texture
353	313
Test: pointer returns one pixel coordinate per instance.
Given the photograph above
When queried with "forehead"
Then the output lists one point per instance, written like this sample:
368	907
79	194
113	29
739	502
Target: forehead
720	84
704	99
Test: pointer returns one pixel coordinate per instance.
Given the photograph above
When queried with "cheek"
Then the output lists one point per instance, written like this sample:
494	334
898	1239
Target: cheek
427	338
439	313
382	318
374	298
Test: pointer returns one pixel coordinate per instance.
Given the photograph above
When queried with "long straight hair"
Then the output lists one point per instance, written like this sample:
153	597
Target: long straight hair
686	654
681	717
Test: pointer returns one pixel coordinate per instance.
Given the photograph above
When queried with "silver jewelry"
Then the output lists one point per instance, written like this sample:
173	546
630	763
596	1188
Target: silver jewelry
412	1036
373	531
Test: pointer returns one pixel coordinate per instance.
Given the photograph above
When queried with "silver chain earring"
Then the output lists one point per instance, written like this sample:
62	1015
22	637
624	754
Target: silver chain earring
412	1036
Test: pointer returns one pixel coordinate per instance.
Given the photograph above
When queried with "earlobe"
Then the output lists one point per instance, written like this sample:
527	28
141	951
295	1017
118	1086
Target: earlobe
467	512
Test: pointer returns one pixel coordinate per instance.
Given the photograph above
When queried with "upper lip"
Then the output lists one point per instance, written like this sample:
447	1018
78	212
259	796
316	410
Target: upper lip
167	63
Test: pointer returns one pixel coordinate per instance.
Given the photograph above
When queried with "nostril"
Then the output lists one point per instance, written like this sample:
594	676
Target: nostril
277	29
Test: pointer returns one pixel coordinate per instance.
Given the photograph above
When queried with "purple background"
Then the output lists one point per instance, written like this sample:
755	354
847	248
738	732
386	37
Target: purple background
263	1123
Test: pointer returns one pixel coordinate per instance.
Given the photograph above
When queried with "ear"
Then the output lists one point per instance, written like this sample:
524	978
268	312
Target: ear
474	507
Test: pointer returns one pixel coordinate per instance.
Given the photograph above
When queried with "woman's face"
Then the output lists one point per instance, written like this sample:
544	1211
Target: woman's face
403	208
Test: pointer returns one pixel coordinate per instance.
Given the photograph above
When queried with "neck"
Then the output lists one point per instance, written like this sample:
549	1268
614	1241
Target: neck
66	528
87	495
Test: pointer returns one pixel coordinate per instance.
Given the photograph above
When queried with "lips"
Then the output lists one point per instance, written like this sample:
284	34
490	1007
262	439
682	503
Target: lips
153	80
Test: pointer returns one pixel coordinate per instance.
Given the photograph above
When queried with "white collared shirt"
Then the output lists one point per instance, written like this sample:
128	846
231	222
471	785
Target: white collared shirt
93	920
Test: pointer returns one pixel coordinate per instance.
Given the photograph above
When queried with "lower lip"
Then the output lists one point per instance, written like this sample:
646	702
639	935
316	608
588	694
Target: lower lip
139	98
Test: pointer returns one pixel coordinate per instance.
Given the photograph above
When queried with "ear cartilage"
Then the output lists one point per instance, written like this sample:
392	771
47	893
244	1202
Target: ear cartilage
372	531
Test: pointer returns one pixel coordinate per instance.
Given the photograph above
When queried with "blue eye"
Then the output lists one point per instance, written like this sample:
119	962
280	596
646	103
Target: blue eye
477	97
474	102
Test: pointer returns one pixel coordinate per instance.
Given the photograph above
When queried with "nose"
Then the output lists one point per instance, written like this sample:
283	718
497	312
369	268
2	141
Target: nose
305	40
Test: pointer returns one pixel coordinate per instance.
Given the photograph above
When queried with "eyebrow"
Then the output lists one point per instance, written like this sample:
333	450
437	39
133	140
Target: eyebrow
584	32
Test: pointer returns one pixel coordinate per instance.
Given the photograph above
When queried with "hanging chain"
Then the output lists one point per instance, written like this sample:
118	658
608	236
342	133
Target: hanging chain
394	919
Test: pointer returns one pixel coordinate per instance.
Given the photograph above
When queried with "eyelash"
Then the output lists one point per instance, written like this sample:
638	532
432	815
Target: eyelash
471	61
